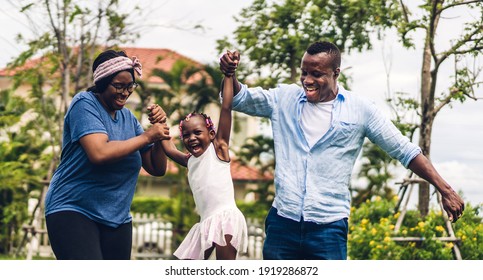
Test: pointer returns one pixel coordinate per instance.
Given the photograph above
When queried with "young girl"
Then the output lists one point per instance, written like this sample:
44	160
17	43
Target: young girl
222	226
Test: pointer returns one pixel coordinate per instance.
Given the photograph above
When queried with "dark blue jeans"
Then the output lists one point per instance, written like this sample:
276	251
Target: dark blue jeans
290	240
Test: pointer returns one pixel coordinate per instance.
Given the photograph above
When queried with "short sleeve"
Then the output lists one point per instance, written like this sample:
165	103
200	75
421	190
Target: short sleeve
84	118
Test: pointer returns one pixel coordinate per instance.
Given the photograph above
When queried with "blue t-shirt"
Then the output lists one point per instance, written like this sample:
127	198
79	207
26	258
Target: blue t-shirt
101	192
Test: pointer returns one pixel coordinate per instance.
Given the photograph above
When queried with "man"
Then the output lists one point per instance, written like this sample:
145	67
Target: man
318	131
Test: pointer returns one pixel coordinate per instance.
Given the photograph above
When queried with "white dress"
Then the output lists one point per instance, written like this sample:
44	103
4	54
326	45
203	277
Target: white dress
212	187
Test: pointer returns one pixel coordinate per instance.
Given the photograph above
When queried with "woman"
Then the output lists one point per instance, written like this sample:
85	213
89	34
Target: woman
87	206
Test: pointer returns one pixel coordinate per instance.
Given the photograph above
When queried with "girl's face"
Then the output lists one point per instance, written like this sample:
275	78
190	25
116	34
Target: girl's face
196	137
117	92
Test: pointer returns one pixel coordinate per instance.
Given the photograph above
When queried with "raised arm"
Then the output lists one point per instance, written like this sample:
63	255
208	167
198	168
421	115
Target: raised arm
222	138
224	125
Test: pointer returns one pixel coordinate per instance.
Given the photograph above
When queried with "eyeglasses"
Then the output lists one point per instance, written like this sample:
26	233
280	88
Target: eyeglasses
120	88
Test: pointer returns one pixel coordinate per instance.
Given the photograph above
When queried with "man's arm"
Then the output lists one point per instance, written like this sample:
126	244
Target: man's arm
452	202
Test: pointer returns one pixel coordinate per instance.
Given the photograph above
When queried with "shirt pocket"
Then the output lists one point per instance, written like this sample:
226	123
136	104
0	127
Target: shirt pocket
343	134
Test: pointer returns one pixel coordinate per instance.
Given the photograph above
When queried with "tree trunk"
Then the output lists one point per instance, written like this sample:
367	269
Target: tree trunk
428	88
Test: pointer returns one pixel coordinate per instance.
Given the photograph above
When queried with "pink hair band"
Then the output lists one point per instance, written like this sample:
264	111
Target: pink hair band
115	65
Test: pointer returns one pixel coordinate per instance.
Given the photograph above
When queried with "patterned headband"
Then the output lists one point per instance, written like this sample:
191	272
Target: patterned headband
115	65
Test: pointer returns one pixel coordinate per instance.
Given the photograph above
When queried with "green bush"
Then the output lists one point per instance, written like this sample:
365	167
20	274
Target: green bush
371	229
253	210
151	205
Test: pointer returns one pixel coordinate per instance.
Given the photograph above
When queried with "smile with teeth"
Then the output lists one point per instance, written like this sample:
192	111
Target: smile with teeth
311	88
195	147
121	99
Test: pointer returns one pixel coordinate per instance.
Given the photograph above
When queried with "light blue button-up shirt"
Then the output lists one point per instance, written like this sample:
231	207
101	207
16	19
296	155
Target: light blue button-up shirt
313	183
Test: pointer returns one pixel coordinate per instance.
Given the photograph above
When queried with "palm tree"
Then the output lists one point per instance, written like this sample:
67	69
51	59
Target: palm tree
259	151
173	97
21	168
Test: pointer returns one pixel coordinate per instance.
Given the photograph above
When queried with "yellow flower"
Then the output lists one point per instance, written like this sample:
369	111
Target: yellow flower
439	228
391	227
372	243
421	224
373	231
449	245
397	215
364	221
378	198
387	239
404	232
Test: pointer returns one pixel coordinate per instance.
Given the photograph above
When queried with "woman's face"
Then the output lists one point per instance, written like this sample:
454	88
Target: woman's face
117	92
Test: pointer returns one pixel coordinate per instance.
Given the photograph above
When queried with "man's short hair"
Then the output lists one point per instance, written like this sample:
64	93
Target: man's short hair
326	47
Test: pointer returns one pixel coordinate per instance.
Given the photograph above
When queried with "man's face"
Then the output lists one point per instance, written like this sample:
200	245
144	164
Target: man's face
318	78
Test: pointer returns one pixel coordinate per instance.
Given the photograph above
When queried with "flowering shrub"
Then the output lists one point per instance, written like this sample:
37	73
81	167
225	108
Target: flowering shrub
371	233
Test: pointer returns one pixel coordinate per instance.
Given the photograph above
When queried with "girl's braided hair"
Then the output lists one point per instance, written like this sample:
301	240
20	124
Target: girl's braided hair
208	121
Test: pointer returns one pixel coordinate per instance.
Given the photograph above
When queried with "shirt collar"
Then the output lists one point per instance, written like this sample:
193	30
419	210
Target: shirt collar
341	93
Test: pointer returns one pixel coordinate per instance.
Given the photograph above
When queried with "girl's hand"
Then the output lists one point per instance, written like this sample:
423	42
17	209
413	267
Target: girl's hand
156	114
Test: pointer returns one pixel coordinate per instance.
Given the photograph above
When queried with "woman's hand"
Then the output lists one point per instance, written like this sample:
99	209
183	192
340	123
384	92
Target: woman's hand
157	132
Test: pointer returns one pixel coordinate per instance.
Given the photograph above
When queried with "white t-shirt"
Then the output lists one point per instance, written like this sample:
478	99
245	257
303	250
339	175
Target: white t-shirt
315	120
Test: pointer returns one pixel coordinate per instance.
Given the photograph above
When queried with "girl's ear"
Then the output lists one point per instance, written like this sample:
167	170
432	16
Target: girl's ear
212	135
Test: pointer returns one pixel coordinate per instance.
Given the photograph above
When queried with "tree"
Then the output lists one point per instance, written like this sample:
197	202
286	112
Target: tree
464	46
21	168
55	65
259	151
273	35
70	36
173	96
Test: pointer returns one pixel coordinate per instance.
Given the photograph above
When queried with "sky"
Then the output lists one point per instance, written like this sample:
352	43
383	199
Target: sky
457	146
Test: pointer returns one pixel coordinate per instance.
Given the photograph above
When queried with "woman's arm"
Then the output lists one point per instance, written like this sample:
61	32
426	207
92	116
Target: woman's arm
154	160
100	150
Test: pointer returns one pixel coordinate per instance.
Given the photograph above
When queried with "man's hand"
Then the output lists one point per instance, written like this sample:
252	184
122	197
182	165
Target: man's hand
453	205
229	62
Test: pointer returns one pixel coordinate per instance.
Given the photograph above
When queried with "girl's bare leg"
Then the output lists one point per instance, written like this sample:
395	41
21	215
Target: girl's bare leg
227	252
209	251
